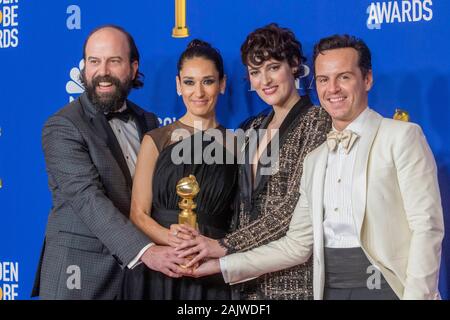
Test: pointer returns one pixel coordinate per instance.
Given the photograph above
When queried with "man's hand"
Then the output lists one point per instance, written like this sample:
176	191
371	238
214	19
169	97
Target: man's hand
165	260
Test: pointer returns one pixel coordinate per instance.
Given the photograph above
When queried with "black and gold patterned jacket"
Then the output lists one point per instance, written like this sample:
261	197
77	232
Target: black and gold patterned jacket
265	207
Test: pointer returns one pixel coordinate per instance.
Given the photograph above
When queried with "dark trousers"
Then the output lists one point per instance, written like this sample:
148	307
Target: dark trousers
349	275
385	293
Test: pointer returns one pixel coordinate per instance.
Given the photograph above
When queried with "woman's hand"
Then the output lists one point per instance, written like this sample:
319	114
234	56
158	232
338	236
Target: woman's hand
202	247
207	268
179	232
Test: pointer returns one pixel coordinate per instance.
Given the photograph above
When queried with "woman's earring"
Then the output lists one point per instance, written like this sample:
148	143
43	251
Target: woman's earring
179	94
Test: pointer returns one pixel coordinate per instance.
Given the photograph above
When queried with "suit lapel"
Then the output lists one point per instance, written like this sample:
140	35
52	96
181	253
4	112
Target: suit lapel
316	190
139	116
103	130
297	111
359	187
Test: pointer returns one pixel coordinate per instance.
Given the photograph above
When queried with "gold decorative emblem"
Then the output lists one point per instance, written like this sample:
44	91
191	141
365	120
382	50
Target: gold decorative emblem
180	30
401	115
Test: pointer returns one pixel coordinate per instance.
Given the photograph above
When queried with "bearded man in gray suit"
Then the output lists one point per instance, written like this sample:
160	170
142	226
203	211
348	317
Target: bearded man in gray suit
90	149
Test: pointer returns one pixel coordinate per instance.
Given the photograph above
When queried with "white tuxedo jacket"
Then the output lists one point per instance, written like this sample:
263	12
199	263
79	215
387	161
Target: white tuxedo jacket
396	207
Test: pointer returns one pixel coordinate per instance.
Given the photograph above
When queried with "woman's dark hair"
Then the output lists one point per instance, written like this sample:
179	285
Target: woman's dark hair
273	42
346	41
134	52
201	49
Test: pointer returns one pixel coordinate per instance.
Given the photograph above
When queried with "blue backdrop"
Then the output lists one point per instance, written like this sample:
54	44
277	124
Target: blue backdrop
41	48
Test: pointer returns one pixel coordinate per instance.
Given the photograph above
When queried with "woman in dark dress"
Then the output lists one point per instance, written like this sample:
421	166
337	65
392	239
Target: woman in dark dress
170	153
273	57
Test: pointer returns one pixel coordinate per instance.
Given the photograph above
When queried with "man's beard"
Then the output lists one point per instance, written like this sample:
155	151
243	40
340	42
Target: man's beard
108	102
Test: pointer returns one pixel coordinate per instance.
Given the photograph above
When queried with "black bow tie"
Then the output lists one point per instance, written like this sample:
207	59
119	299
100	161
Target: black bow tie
122	115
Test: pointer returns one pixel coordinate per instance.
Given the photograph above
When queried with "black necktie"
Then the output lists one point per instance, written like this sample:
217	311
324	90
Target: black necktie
122	115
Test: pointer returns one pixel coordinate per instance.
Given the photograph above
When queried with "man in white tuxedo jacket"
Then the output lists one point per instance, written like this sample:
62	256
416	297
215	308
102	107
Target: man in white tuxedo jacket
369	200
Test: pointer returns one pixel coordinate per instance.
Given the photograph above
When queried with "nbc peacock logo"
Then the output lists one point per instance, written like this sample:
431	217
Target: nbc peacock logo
74	85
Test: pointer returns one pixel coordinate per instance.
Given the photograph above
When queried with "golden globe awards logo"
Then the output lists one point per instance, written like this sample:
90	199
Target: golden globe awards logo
9	23
9	280
405	11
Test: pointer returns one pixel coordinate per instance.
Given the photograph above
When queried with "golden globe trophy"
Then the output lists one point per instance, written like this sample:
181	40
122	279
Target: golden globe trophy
180	30
401	115
188	188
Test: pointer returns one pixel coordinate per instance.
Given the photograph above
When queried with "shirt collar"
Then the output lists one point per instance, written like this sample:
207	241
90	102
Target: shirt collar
123	108
357	125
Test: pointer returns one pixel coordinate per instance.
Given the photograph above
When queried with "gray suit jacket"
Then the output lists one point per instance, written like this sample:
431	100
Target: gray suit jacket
89	237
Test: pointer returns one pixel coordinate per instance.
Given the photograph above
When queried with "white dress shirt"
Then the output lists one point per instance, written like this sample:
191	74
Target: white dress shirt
339	224
128	137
